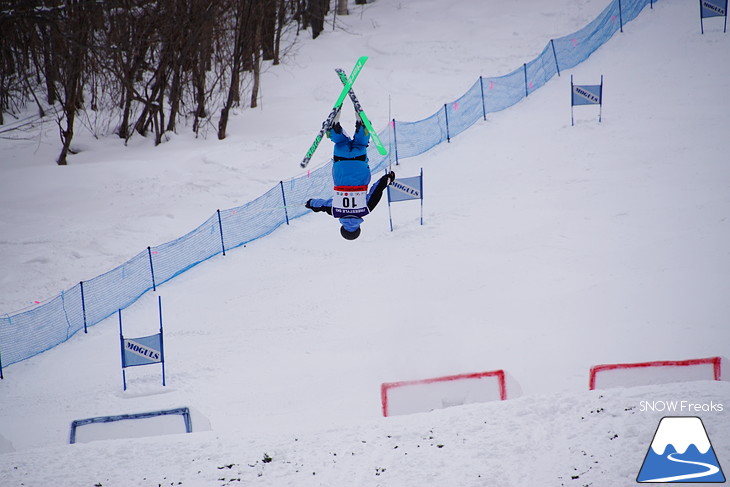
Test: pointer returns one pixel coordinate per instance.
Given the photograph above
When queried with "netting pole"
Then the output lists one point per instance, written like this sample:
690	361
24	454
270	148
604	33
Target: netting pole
152	269
620	16
1	366
390	214
600	101
524	67
121	343
572	119
220	227
702	25
162	346
446	113
484	106
421	189
283	198
395	144
555	55
83	304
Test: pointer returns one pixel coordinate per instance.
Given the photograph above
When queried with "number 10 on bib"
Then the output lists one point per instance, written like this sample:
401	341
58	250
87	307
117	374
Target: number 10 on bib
350	201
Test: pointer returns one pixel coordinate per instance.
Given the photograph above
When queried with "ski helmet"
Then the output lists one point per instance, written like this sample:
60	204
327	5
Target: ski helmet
350	235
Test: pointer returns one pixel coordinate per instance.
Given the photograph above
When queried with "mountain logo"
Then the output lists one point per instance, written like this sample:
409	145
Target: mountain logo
681	452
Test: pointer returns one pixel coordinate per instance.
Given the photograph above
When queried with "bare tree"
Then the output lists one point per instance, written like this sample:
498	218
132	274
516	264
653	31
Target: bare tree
241	10
143	65
69	30
316	12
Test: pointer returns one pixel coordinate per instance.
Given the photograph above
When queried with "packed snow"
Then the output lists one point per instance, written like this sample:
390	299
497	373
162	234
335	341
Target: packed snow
546	249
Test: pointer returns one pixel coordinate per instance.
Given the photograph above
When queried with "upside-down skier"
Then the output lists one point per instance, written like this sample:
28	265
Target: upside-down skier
351	175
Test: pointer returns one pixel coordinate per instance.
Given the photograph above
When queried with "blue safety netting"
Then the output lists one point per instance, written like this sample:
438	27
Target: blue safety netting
31	332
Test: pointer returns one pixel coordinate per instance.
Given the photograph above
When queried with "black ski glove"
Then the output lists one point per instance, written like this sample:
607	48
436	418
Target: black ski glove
316	209
359	125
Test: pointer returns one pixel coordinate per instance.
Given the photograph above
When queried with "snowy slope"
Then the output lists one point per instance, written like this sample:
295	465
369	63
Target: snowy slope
556	440
547	249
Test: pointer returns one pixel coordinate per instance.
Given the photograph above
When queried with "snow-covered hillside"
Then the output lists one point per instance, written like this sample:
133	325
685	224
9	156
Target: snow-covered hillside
546	249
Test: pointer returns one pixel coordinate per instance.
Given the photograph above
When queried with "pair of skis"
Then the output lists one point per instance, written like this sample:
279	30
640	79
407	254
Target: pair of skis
346	90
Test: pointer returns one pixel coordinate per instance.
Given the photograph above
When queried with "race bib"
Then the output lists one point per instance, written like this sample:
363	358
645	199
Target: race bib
350	201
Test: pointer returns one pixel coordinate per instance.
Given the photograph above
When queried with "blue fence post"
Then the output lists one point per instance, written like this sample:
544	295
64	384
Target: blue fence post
121	347
620	16
395	144
283	198
421	188
702	24
484	106
524	67
446	113
83	304
600	106
572	118
390	214
162	346
555	55
152	269
220	227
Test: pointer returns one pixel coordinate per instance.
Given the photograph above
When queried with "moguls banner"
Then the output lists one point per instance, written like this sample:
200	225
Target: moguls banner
713	8
142	351
405	189
587	94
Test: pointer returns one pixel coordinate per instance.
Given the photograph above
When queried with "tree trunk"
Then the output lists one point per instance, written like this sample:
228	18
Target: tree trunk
66	136
316	10
256	78
267	23
175	94
280	21
342	7
238	45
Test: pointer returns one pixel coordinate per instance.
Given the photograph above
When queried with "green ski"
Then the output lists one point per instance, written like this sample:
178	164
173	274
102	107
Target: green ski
365	120
335	109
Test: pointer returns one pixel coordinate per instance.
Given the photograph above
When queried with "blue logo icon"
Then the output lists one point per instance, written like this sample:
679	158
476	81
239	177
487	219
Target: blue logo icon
681	452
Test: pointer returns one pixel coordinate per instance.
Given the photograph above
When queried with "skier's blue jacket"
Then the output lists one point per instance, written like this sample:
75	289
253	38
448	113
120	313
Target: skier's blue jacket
350	168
